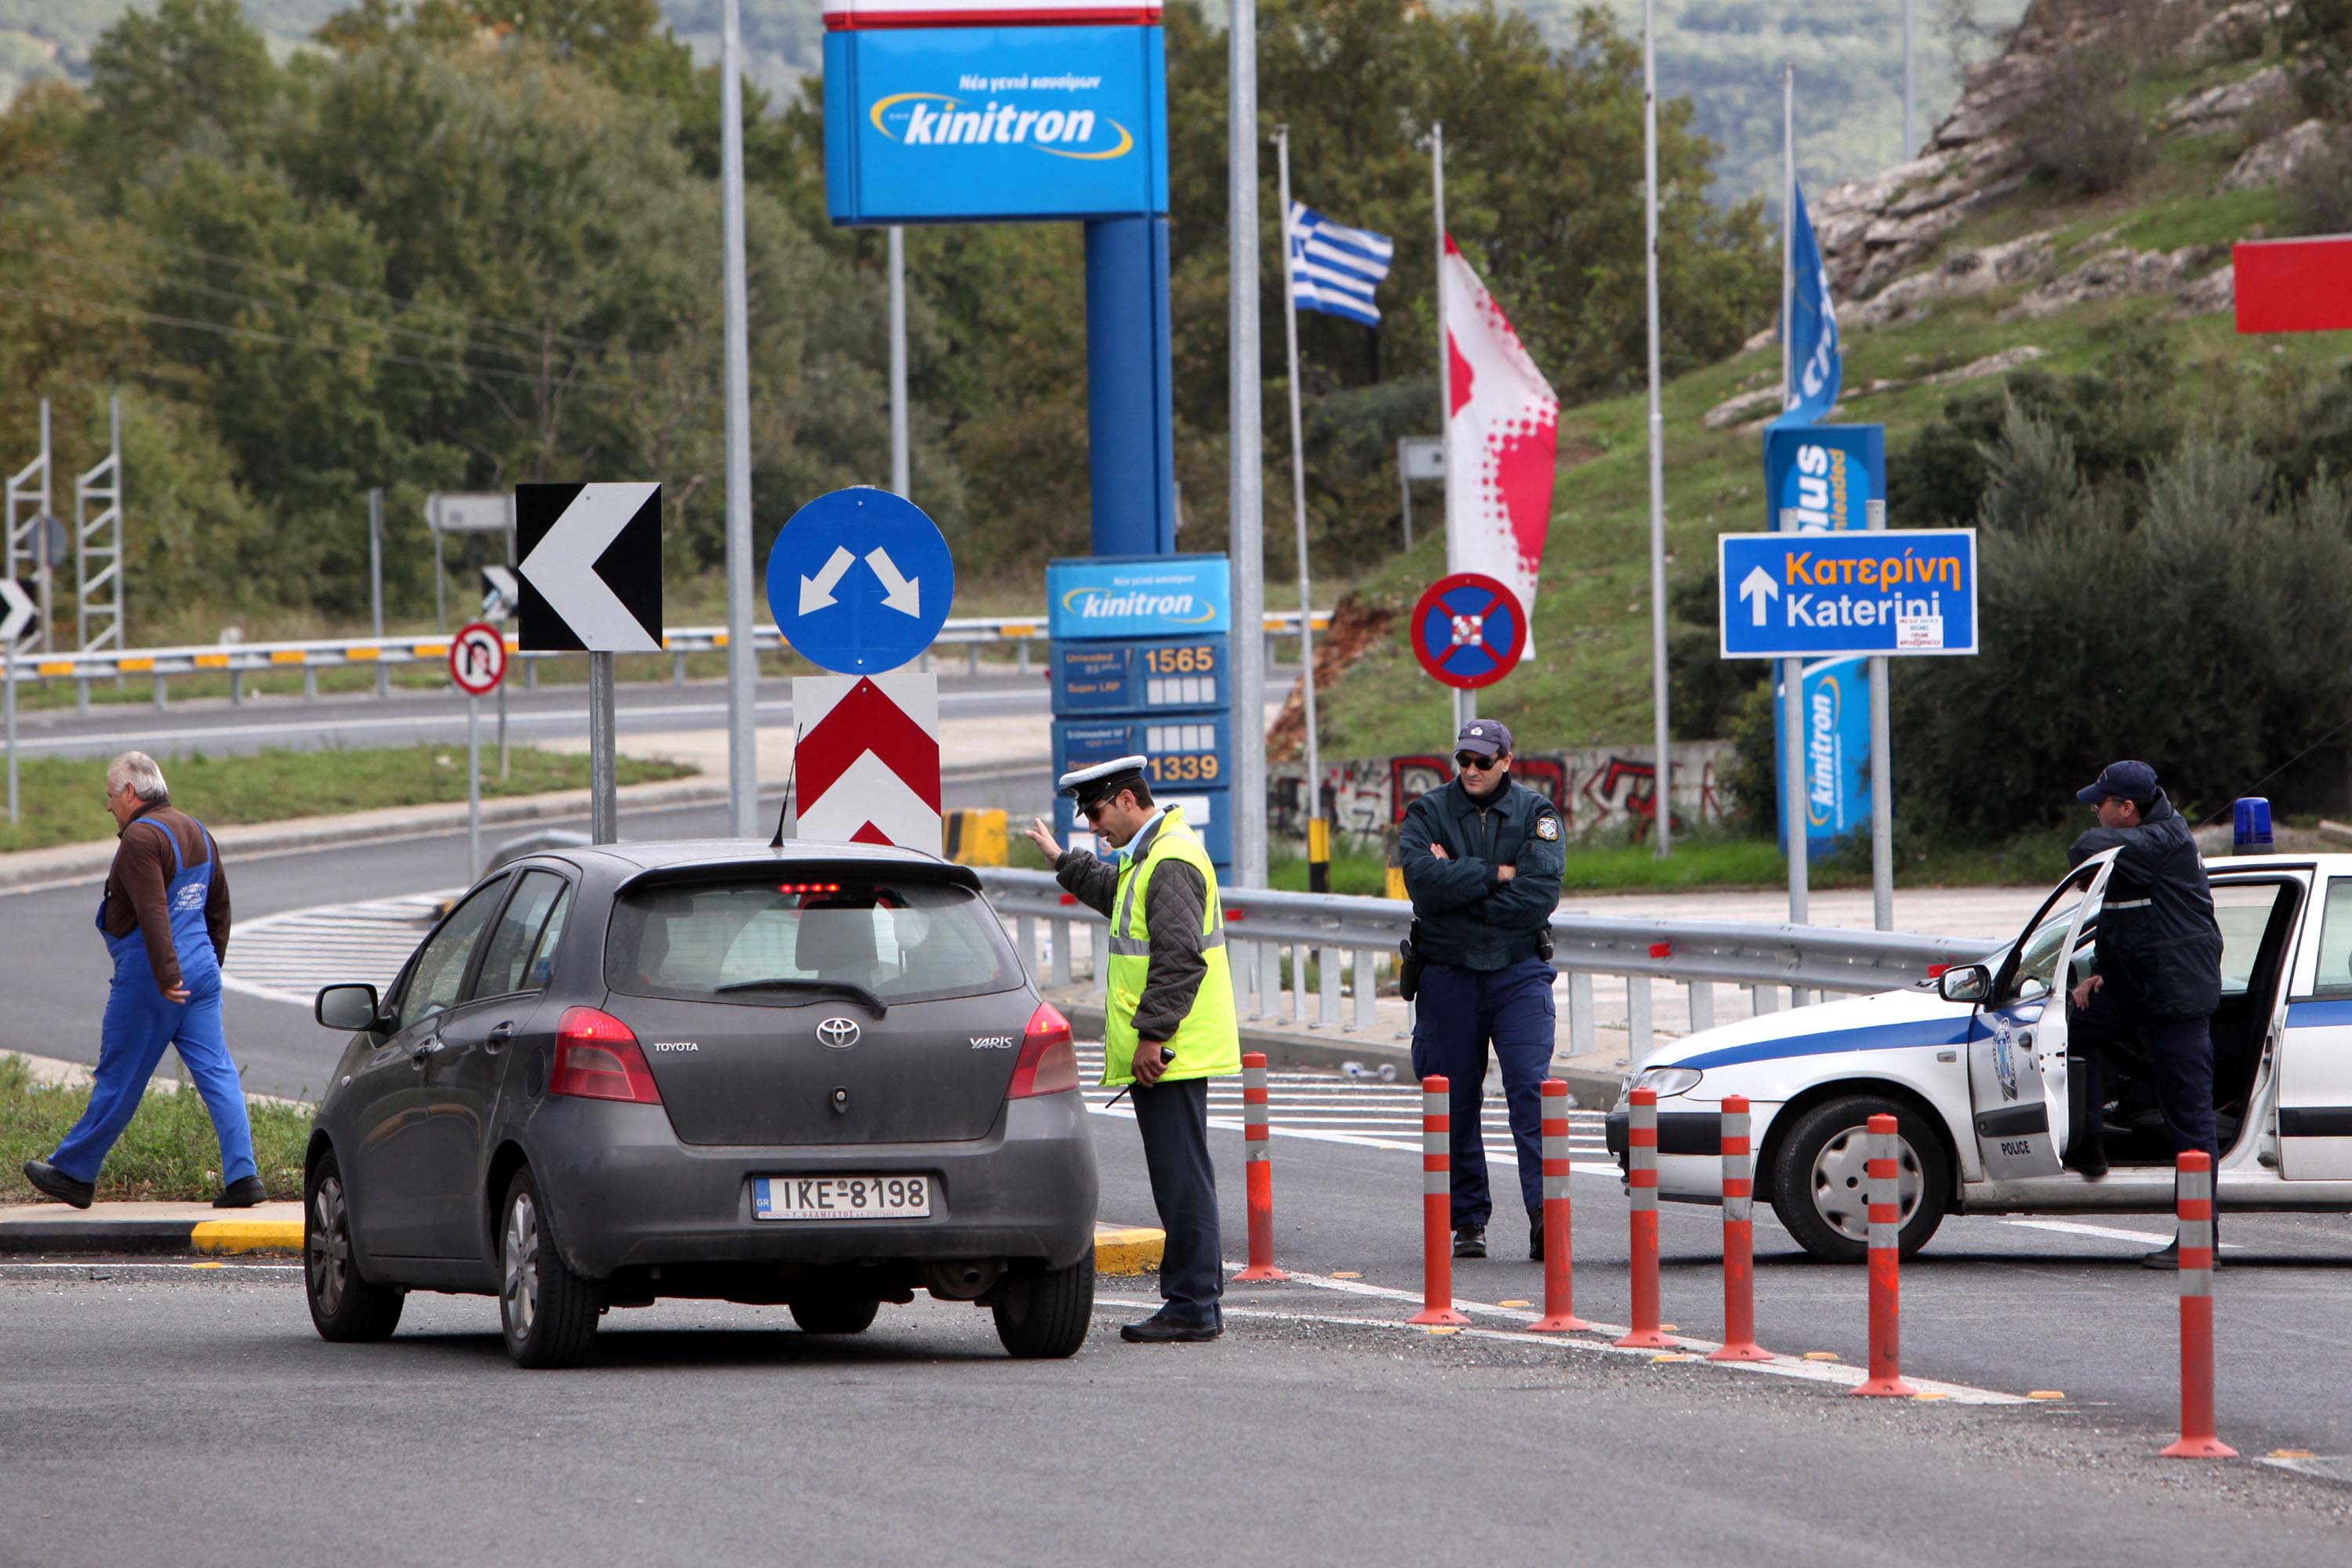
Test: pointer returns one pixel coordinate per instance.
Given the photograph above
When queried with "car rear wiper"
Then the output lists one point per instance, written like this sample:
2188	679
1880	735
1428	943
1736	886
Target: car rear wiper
837	987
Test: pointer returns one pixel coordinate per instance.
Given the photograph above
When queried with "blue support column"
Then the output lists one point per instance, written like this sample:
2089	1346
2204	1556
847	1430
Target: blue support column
1130	387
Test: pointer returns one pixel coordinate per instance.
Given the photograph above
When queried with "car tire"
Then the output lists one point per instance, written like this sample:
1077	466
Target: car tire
1045	1315
836	1314
1819	1185
549	1313
345	1308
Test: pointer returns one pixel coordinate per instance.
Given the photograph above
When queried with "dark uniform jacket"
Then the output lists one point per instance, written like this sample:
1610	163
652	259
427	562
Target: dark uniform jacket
1174	905
141	875
1469	917
2160	952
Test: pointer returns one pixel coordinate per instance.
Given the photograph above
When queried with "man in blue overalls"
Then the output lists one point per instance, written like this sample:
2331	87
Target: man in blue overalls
1483	859
164	916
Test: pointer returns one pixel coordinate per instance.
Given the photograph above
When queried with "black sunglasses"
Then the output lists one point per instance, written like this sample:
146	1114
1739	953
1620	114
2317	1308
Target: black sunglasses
1473	759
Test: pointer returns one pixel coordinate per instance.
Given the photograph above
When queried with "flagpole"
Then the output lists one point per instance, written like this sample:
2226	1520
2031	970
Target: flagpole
1465	703
1318	866
1792	671
1663	796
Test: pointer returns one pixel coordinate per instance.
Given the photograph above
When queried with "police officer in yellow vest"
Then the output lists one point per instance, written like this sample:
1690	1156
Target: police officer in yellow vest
1172	1024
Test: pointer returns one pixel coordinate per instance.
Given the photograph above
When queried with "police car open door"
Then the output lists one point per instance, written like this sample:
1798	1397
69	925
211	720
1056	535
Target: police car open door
2017	1052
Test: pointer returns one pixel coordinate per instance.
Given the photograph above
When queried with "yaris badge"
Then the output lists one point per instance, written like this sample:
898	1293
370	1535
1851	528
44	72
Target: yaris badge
838	1032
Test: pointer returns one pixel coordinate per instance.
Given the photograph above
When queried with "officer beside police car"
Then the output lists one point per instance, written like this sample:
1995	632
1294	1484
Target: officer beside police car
1482	859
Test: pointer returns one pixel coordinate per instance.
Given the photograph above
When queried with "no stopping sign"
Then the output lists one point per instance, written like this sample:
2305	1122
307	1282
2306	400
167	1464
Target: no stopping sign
477	659
1469	630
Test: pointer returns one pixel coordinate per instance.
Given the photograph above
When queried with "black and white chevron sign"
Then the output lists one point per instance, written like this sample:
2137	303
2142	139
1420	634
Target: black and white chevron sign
591	567
19	612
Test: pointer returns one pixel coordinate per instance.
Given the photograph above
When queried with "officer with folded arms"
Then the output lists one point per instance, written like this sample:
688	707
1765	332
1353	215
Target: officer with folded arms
1172	1023
1482	859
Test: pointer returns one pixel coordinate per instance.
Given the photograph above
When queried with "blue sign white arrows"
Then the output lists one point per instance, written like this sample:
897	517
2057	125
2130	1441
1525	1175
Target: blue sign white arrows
860	580
1831	595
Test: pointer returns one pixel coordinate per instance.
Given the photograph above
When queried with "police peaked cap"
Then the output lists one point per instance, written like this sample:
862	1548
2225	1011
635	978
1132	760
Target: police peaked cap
1087	785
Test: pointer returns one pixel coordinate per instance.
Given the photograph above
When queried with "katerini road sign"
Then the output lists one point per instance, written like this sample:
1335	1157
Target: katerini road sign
867	766
591	567
19	615
1841	595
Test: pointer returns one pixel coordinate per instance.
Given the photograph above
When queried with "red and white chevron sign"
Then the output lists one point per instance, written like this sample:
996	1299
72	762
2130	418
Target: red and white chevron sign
866	766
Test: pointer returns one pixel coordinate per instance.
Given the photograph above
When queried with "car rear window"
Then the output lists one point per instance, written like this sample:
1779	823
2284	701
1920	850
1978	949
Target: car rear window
902	942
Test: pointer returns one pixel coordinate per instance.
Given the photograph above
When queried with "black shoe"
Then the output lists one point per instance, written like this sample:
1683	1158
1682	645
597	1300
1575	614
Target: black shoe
1536	1235
1470	1241
2091	1164
47	1178
2167	1258
242	1194
1162	1330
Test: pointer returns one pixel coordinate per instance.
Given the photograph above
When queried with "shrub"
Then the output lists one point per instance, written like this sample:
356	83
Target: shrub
2078	131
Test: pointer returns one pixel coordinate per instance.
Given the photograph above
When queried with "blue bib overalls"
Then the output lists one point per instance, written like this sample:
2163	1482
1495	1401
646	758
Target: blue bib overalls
140	1021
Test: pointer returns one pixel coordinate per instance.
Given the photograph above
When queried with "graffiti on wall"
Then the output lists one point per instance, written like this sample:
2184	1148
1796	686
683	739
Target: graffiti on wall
1597	790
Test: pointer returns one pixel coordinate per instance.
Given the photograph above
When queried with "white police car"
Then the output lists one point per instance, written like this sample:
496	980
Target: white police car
1973	1066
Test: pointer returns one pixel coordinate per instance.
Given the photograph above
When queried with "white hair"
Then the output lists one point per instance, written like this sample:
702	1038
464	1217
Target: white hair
138	770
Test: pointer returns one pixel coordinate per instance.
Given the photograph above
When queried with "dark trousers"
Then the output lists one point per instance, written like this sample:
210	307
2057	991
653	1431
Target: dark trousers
2180	1061
1456	1013
1173	1119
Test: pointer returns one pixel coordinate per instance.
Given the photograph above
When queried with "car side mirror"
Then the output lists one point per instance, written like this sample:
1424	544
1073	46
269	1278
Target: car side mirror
1965	982
348	1007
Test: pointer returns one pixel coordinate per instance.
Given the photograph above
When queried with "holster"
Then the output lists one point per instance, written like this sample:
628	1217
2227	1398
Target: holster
1409	963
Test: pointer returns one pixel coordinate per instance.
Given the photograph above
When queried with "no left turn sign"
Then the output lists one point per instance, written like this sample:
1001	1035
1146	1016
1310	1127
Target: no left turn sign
477	659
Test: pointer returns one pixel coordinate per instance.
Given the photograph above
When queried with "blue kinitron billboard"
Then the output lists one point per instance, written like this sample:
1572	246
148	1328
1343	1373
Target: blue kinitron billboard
947	111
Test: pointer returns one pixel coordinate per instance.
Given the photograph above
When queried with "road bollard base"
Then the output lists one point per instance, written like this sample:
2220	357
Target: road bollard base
1885	1388
1751	1351
1438	1315
1647	1340
1266	1271
2200	1448
1560	1323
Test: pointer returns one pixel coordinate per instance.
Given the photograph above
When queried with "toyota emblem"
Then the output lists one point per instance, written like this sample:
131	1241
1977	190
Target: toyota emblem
838	1032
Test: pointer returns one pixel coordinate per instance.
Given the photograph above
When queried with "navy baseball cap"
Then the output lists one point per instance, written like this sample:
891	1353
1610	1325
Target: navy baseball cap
2125	781
1486	737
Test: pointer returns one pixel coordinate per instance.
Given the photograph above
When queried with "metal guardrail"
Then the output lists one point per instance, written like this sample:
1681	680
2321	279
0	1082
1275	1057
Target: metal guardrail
236	660
1765	961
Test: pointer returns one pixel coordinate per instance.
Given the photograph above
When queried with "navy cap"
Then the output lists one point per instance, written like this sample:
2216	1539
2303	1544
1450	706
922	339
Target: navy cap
2125	781
1488	737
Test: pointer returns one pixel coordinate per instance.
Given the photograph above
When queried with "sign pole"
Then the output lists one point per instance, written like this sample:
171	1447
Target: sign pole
375	587
1315	828
604	804
1466	702
473	785
8	699
1664	820
1881	782
1792	670
742	654
1245	479
901	463
503	768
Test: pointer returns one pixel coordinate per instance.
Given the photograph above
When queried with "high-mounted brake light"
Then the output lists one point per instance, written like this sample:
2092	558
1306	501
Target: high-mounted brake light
1048	1064
597	1058
809	887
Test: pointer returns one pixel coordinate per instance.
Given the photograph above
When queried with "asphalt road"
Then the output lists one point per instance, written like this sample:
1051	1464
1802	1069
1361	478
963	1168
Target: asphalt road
551	712
164	1416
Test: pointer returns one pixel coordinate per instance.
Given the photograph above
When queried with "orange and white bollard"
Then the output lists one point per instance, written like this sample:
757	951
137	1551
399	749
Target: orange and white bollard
1559	1284
2193	1196
1257	1137
1885	1380
1739	1238
1642	1191
1438	1205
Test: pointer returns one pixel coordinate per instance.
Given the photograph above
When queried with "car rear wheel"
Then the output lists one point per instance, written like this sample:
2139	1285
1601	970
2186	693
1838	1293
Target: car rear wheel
1821	1189
836	1314
345	1308
1045	1315
549	1313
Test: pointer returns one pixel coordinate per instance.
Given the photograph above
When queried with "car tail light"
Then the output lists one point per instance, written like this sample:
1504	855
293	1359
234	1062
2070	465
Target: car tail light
1048	1064
597	1058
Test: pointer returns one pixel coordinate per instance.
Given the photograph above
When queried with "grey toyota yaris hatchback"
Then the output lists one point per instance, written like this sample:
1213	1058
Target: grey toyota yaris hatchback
812	1076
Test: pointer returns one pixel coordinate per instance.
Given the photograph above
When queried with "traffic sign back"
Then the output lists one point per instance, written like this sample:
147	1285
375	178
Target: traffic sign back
1834	595
1469	630
860	580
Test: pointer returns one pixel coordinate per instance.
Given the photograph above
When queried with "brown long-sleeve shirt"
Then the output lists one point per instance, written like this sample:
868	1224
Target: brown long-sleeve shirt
137	885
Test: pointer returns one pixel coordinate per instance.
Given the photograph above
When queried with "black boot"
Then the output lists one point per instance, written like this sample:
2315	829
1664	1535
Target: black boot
242	1194
1535	1234
48	1180
1470	1241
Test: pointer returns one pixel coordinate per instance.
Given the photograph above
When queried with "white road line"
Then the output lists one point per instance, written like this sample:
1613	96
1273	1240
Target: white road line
2110	1232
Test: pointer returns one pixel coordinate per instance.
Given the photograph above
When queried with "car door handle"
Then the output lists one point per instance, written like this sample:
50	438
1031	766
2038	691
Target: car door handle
424	1050
500	1034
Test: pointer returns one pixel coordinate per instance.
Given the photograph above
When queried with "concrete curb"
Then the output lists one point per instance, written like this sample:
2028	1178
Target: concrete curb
1594	1090
1119	1250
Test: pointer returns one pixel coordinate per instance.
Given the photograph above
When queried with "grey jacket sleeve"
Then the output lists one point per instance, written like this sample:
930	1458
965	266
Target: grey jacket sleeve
1174	907
1091	881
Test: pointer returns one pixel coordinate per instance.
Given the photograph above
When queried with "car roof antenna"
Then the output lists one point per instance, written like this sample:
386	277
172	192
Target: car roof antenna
786	804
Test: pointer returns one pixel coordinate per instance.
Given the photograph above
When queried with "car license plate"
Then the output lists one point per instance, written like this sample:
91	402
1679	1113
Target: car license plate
841	1197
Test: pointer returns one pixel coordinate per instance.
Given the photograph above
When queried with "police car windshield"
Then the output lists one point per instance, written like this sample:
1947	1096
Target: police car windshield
790	944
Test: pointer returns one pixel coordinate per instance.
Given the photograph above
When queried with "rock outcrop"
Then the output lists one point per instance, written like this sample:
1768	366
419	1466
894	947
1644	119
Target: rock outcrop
2271	163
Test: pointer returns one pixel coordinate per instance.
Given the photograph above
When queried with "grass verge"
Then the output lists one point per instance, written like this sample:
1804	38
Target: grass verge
63	799
168	1154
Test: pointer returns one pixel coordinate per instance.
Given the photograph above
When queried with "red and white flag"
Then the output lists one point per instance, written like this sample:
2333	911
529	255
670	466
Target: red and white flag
1502	439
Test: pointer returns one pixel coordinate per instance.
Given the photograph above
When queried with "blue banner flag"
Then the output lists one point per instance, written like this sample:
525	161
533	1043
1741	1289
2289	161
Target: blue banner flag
1814	364
1333	267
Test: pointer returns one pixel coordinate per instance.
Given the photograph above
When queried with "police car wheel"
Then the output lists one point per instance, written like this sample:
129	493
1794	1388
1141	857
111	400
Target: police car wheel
1820	1191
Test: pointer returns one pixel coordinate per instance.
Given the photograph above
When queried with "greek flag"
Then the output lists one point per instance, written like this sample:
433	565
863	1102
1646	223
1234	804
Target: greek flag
1333	267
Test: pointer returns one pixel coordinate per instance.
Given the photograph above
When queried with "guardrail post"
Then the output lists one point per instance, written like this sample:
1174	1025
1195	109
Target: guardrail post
1582	1033
81	695
1367	987
1020	655
310	684
972	658
162	693
1025	937
236	687
1328	960
1701	1004
1762	999
678	669
1060	937
1638	1033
